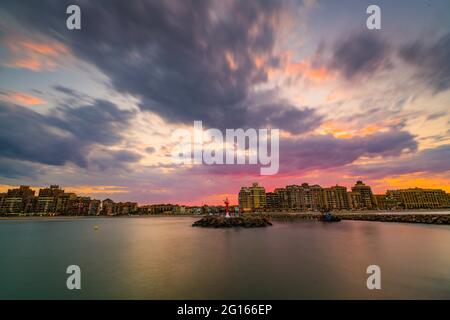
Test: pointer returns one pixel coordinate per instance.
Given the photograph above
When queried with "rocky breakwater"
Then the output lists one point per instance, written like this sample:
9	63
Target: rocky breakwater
222	222
399	217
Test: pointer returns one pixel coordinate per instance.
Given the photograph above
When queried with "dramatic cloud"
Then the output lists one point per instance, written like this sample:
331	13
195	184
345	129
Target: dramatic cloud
113	159
428	160
324	152
284	116
10	168
67	135
360	54
185	60
431	60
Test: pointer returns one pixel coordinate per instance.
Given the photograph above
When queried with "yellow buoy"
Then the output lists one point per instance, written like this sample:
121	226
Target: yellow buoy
95	227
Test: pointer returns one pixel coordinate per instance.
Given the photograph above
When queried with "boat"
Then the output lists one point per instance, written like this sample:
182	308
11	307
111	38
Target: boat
329	217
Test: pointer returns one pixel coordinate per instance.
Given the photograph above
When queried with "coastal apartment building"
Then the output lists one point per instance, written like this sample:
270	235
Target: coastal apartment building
417	198
272	201
47	199
182	209
158	209
316	194
94	207
252	198
385	202
111	208
245	200
18	200
336	198
296	197
283	198
355	200
2	198
161	208
306	197
127	208
64	202
83	206
361	196
54	201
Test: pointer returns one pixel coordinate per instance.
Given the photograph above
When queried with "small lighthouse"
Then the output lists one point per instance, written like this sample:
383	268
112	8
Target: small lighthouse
227	210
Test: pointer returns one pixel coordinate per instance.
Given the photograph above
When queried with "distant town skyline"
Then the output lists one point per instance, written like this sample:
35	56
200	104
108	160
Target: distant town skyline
93	109
290	191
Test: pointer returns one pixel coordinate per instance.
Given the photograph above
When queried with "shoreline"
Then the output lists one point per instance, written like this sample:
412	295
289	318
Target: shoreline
421	216
61	217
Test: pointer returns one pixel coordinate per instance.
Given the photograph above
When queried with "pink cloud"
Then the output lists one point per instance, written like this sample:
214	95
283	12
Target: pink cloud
34	54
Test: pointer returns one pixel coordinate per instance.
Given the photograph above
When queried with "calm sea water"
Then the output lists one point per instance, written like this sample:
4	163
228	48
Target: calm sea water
166	258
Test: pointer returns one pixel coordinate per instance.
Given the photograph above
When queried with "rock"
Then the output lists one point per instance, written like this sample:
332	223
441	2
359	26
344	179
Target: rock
222	222
397	217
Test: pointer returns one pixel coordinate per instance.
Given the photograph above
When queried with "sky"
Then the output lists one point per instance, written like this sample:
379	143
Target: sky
93	109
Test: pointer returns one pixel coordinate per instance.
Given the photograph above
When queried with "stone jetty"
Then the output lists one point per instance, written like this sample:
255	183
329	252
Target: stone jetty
424	218
398	217
232	222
